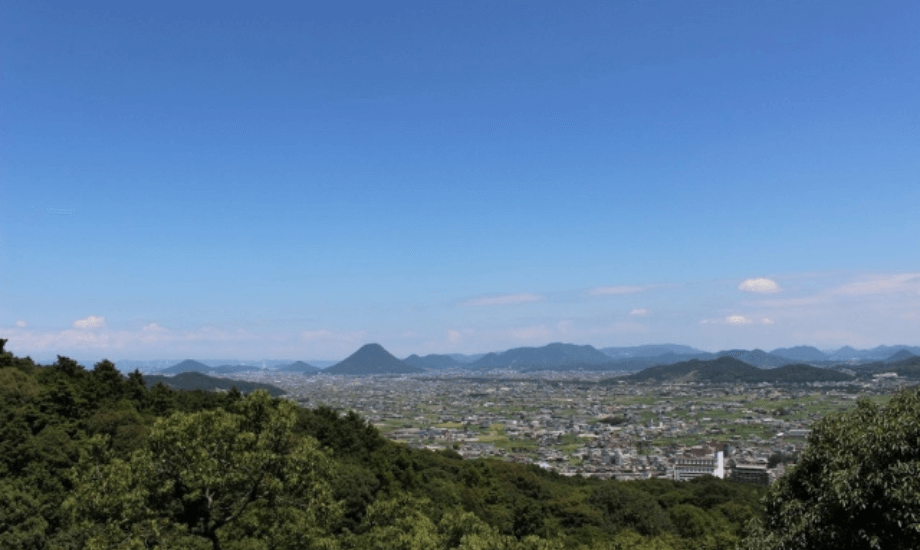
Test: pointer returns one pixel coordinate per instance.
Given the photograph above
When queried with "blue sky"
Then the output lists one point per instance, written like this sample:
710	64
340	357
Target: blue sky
293	180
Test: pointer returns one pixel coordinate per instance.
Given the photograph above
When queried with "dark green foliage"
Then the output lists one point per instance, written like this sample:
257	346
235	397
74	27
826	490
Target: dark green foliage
614	420
625	507
21	528
855	486
349	436
529	519
225	478
781	458
120	421
107	382
690	521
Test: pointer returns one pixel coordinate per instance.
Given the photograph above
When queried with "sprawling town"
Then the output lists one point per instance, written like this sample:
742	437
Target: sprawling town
588	423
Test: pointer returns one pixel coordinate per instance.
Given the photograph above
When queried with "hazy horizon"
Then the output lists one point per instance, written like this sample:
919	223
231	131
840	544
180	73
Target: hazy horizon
327	362
295	180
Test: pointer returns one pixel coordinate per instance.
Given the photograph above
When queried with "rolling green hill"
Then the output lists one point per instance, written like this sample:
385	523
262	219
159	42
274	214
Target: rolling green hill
730	370
199	381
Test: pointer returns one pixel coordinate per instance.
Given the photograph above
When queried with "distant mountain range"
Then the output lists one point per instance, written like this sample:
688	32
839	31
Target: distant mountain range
902	355
650	350
728	366
459	357
374	359
801	353
848	353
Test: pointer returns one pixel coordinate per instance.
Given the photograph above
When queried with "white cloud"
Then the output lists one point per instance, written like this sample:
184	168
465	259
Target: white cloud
737	320
616	290
20	323
154	333
761	285
767	321
906	282
154	328
502	300
639	312
89	322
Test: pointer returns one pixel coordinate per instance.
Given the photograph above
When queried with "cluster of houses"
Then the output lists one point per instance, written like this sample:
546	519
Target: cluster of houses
589	426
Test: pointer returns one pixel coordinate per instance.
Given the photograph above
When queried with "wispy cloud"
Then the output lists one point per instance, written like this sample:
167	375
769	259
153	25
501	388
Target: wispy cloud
89	322
20	323
154	333
884	286
759	285
639	312
905	282
616	290
737	320
502	300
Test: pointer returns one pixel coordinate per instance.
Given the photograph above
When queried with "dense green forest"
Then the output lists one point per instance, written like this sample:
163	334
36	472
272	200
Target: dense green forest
94	459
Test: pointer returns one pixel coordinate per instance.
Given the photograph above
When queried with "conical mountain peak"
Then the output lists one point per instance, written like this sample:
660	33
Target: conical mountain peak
372	359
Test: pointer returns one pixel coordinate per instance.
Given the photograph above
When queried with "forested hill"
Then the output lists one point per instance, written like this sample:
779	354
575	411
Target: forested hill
300	366
94	459
188	365
907	368
730	370
199	381
550	355
433	361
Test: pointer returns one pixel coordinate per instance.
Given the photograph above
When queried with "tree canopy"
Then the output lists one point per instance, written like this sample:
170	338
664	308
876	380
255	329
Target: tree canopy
225	477
856	485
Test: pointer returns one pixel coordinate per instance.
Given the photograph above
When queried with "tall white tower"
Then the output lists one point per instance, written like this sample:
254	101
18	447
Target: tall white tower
719	472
